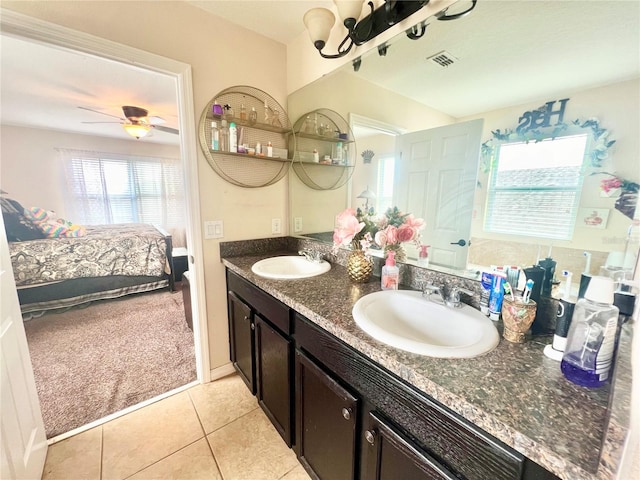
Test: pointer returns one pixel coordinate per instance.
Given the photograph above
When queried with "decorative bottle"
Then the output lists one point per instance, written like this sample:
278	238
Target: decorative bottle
215	137
590	348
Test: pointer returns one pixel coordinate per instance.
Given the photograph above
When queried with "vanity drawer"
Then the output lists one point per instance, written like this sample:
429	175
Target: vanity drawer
464	449
272	309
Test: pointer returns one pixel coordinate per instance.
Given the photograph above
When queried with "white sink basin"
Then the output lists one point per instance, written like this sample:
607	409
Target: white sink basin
289	267
406	320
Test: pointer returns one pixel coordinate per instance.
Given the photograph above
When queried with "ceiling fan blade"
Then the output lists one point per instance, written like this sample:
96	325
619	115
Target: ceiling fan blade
153	120
174	131
102	113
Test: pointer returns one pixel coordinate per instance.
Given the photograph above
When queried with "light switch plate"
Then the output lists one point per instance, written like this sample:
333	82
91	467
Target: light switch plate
297	224
275	226
213	229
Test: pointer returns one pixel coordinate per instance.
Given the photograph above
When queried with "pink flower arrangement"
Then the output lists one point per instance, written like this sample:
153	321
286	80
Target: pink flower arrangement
609	184
359	229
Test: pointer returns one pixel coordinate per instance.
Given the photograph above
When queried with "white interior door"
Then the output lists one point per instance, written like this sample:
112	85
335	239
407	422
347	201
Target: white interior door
437	169
24	443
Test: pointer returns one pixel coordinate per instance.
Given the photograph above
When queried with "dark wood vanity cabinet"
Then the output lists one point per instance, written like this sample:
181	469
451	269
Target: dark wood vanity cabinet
241	339
391	455
354	420
261	350
326	423
273	371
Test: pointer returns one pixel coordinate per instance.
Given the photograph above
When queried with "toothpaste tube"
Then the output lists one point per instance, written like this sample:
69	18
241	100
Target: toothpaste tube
485	283
497	295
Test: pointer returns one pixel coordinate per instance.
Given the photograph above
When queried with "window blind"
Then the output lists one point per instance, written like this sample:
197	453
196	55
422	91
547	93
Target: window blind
535	188
106	188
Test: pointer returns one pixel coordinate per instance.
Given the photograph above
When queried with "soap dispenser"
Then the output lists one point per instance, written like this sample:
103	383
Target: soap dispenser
390	273
590	348
423	256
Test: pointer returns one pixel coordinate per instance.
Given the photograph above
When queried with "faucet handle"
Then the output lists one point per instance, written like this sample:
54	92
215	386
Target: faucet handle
454	296
429	288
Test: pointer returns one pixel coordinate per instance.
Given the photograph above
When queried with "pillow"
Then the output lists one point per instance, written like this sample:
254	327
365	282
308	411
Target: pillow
52	226
19	228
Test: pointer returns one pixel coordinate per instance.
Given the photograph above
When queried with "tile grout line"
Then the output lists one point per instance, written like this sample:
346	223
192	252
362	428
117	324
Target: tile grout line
215	460
163	458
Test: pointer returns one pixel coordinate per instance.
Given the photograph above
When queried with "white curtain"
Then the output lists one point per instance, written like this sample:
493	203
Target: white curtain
106	188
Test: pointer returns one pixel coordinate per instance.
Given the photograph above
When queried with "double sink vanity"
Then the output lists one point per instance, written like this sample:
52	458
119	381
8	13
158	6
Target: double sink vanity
344	390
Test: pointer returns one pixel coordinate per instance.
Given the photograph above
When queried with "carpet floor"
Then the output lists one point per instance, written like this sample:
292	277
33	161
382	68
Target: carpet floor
91	362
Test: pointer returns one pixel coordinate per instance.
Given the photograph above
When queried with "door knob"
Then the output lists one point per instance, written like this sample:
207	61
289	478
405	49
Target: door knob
460	242
370	436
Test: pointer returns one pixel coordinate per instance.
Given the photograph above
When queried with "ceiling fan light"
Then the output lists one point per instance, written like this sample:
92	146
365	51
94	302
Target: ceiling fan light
319	22
349	9
136	130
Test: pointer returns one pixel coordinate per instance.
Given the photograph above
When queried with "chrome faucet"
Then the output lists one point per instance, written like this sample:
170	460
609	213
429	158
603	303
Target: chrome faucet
311	255
451	300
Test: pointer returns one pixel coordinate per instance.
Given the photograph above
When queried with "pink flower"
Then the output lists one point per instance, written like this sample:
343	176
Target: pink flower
416	223
388	236
406	233
347	227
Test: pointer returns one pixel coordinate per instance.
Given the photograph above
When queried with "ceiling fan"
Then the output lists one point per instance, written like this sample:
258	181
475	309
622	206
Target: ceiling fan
136	121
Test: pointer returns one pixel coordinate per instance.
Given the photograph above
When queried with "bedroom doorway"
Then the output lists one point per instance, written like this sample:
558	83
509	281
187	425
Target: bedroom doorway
56	37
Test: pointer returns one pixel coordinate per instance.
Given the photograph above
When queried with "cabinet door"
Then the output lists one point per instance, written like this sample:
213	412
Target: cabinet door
392	456
241	340
274	376
326	423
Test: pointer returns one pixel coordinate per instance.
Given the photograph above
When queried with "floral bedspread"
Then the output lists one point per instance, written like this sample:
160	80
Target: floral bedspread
120	249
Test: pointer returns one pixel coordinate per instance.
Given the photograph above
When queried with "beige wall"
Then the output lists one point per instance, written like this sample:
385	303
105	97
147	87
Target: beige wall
31	170
221	55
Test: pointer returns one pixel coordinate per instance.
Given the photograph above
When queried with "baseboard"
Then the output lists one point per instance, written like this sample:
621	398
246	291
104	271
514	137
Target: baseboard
223	371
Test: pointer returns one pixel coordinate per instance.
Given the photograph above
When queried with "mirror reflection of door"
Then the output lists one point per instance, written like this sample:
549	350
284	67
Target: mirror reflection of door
436	173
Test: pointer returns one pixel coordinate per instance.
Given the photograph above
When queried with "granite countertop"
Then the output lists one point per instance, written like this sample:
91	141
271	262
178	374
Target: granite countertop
514	392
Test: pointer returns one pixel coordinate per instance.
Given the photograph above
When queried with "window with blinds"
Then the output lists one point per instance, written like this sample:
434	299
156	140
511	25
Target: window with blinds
105	188
534	188
384	192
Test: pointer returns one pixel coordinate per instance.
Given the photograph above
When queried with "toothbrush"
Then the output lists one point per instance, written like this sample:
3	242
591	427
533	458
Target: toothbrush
526	295
508	291
587	267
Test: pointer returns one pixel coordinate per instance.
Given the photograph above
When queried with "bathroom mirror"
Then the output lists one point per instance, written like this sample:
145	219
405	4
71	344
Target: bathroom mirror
479	84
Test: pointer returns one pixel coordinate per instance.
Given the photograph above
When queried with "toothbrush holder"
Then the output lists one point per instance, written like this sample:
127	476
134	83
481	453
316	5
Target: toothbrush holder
517	317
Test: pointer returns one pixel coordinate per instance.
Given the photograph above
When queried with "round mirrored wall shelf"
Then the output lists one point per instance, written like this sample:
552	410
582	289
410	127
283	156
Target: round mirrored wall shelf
260	120
325	149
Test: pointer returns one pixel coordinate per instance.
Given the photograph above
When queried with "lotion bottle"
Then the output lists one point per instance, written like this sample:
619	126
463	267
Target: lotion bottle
390	273
233	138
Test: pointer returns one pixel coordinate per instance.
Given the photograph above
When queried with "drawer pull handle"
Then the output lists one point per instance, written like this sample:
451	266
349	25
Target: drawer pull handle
253	326
346	413
370	436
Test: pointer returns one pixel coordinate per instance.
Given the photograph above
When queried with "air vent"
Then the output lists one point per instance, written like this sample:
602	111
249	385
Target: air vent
443	59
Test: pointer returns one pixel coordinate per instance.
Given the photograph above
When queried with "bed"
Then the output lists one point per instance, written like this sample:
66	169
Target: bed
108	261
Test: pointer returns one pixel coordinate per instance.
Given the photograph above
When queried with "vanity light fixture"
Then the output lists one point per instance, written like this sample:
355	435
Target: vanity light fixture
320	21
137	130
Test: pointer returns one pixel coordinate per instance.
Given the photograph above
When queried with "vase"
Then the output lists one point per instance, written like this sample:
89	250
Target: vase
359	266
400	254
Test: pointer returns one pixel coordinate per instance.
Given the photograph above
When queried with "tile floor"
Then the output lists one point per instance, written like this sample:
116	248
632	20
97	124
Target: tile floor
214	431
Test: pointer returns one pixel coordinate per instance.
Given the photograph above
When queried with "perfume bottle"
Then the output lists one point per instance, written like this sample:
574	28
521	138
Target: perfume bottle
253	116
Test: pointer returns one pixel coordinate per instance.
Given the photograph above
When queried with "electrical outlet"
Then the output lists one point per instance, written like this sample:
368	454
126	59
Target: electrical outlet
275	226
213	229
297	224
